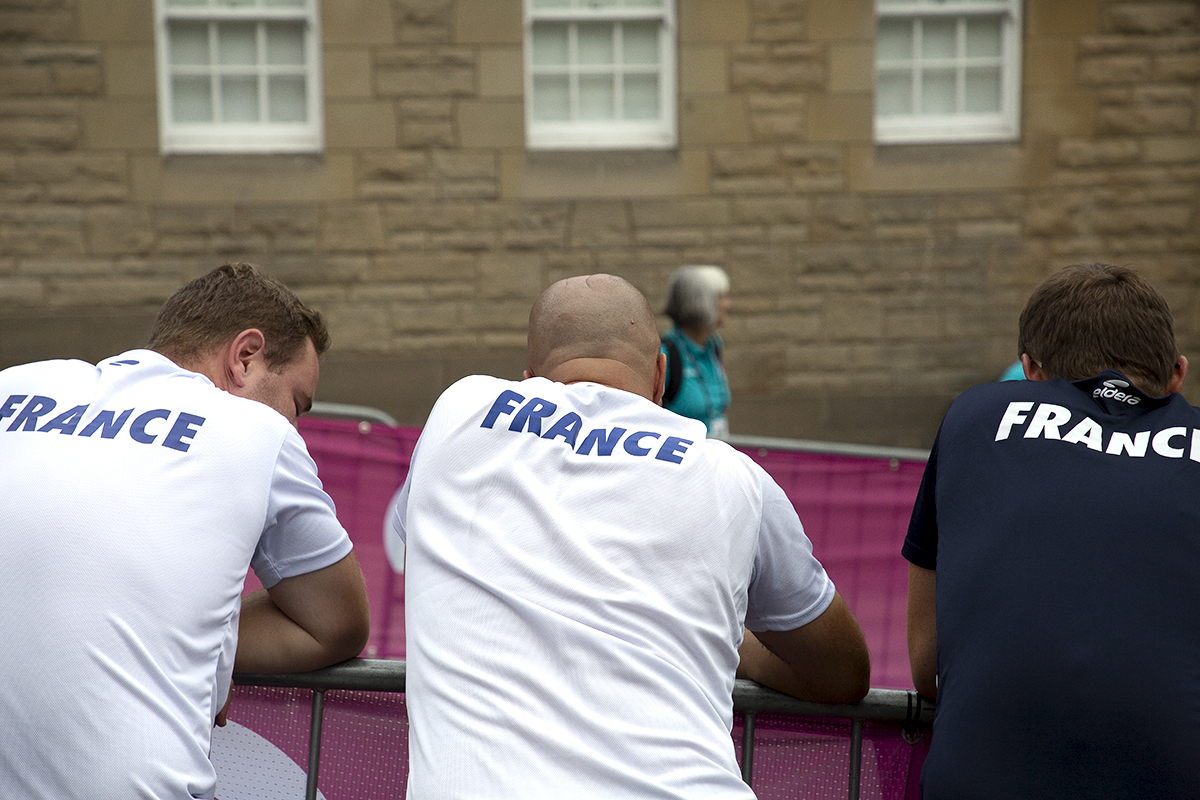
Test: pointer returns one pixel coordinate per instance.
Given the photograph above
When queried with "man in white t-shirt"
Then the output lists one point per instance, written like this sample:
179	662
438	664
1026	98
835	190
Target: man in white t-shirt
580	565
136	493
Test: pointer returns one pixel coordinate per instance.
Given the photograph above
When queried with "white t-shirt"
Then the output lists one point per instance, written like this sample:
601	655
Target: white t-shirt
135	495
580	564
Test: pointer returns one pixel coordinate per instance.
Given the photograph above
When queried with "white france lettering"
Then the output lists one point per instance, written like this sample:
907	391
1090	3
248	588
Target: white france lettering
1046	421
1133	445
1162	442
1013	415
1195	453
1086	432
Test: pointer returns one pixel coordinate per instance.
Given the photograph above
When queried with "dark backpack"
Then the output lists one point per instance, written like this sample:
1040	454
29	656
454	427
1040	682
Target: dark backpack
675	371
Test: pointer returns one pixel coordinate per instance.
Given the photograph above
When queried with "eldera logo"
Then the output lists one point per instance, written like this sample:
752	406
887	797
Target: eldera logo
1112	389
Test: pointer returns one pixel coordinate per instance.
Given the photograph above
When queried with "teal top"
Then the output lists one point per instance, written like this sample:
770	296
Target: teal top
1015	372
703	388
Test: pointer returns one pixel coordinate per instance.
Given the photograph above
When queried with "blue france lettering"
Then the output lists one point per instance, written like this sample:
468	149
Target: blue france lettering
108	423
529	414
66	422
602	440
38	406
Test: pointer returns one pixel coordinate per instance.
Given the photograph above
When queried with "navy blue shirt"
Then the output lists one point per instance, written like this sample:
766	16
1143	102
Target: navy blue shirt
1063	520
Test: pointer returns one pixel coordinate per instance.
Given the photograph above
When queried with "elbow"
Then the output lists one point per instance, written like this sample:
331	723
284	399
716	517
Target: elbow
351	640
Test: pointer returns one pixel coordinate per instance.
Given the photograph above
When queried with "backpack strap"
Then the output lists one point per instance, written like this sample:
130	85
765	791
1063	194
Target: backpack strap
674	372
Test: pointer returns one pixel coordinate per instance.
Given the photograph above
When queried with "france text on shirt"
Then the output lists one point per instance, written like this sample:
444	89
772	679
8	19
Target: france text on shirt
528	415
144	429
1048	421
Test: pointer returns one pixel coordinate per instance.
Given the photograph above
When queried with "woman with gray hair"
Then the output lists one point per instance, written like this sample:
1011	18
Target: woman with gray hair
697	302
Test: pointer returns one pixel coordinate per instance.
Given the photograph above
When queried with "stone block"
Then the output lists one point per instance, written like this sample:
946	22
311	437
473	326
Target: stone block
600	223
778	118
347	72
616	175
1160	149
41	230
851	67
427	267
836	218
841	118
461	240
38	25
713	119
1058	112
129	71
515	275
695	213
846	20
738	161
501	71
1143	219
15	291
128	22
424	20
349	227
1092	152
487	22
41	123
1115	69
495	123
1147	119
772	210
500	315
357	23
671	237
1177	66
463	164
110	290
427	133
803	72
227	180
713	21
703	69
1045	20
355	124
1152	17
119	124
119	230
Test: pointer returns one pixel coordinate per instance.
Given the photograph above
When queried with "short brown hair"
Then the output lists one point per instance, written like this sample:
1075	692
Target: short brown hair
216	307
1087	318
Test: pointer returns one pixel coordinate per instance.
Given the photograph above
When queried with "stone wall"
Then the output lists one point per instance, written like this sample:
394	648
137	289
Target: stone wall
871	284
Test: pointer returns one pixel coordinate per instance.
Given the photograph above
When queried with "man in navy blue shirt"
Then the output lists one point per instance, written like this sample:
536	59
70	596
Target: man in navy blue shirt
1054	581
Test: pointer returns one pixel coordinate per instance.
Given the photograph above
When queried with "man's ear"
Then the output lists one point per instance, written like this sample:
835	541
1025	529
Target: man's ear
1175	384
526	375
660	378
243	354
1033	370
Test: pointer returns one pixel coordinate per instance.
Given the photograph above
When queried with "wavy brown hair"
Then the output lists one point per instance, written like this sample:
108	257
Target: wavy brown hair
216	307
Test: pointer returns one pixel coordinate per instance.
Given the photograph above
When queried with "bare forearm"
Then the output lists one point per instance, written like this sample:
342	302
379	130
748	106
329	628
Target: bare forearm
270	641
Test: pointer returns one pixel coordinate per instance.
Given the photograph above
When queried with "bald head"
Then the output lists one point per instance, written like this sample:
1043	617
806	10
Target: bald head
595	328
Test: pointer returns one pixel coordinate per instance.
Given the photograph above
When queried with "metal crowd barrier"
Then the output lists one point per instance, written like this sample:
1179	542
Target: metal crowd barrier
749	699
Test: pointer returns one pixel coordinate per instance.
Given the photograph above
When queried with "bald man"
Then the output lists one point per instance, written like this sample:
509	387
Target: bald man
580	566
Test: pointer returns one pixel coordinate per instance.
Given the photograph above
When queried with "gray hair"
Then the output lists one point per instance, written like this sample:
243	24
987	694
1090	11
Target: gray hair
692	295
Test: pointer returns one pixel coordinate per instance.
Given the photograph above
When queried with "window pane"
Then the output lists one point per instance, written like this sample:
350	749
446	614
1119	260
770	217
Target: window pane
186	3
983	37
285	3
235	3
285	43
596	42
188	43
596	97
551	98
641	97
937	38
551	3
235	44
287	99
550	44
239	99
937	92
639	43
191	99
983	90
894	94
895	40
643	3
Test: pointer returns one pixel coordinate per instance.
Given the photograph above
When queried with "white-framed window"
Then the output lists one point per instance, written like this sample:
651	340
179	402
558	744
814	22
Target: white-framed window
947	70
600	74
239	76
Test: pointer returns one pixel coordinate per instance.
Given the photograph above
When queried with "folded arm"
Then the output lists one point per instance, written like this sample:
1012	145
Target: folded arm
825	661
305	622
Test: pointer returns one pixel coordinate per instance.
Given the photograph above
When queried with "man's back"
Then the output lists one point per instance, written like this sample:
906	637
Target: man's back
135	494
580	563
1065	524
